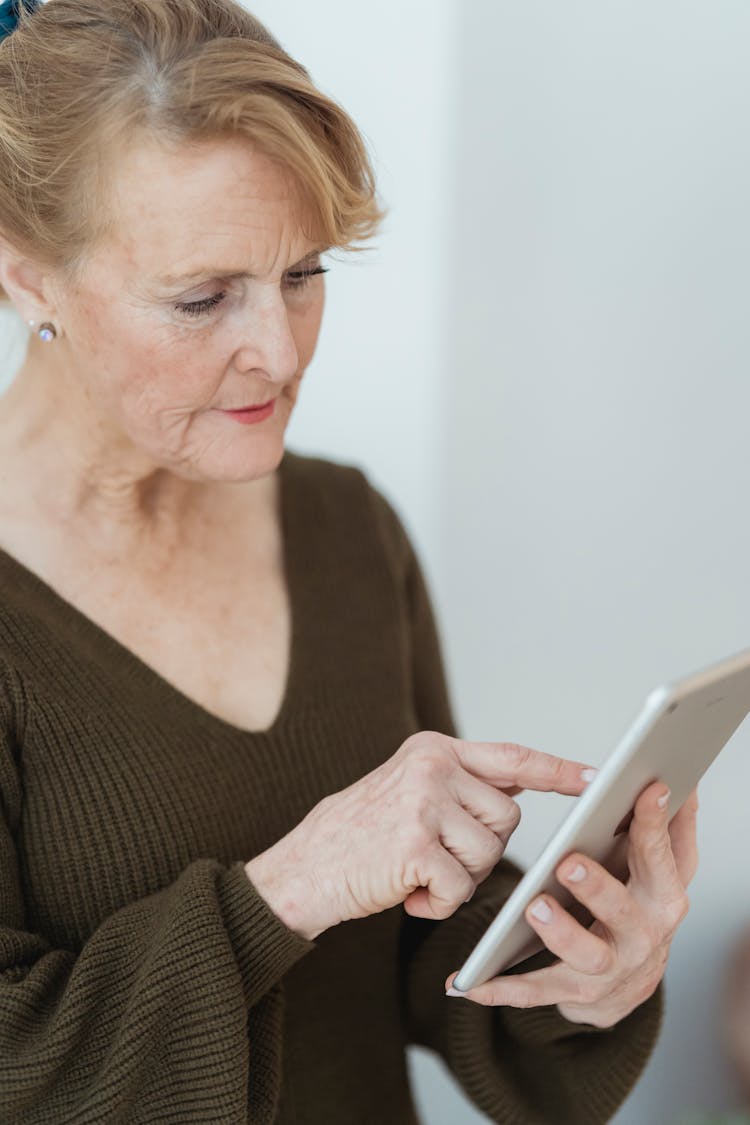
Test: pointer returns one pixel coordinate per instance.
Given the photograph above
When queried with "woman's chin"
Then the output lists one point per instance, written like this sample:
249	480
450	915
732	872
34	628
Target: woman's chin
243	461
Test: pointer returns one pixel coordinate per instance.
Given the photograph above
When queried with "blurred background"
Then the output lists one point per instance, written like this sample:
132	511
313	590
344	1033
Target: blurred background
543	363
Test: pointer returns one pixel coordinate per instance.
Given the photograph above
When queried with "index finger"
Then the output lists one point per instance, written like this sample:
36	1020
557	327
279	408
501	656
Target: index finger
507	764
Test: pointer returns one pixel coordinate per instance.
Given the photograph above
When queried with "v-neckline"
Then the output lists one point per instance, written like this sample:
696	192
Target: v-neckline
147	675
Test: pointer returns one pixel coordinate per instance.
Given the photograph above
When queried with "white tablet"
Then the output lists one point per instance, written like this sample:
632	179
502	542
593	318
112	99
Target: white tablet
678	733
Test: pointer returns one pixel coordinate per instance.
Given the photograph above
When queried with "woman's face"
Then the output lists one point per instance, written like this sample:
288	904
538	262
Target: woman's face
196	304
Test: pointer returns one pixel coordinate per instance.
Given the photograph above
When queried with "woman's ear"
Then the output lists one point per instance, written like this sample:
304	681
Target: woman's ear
25	282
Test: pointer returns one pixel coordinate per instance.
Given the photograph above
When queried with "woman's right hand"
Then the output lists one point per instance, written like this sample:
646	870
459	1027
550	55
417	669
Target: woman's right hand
424	828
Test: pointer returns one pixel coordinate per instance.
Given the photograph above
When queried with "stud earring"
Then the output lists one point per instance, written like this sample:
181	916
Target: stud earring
47	331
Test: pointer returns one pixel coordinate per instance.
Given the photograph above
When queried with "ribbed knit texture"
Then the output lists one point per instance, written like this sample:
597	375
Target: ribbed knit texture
143	979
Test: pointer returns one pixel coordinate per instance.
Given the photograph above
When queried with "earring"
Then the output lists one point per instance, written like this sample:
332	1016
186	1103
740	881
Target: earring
47	331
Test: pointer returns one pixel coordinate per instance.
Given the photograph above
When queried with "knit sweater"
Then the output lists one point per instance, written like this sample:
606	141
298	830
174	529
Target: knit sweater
143	978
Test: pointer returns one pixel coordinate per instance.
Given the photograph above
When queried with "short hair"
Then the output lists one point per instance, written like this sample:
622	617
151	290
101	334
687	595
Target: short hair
81	78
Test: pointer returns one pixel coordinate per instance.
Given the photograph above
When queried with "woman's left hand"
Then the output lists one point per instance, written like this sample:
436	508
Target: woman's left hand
606	971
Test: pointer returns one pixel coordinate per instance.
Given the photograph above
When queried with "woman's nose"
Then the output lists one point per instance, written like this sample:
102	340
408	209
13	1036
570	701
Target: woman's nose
268	342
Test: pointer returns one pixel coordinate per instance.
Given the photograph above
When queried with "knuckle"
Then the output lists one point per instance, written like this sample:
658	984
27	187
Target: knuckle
662	847
642	947
676	912
643	987
417	807
510	815
453	896
657	844
557	767
485	847
420	780
419	839
420	768
601	961
491	849
523	997
618	911
410	744
602	990
427	765
512	812
589	990
516	756
468	888
421	738
482	873
656	849
427	742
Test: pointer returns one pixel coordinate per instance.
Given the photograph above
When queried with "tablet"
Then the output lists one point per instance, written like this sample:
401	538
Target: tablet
678	733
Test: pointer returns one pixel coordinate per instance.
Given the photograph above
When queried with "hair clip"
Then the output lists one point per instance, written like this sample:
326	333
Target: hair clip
10	13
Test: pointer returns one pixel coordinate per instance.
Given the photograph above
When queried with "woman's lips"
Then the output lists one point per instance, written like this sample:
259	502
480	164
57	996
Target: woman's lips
250	414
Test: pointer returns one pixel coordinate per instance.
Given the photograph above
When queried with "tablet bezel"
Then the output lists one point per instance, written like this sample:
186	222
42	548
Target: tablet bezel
713	703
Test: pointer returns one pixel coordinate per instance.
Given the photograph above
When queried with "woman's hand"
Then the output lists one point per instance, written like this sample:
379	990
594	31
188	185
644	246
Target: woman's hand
424	828
606	971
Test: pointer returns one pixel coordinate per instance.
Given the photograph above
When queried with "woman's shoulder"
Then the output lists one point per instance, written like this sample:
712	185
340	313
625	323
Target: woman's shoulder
347	489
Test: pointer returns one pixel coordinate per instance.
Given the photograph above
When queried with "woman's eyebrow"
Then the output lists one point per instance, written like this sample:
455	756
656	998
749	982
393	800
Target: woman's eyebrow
204	273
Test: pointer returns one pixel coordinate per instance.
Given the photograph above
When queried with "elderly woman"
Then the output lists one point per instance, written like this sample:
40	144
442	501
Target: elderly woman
239	836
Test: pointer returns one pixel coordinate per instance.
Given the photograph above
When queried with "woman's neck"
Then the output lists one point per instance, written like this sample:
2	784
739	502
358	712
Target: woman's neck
64	467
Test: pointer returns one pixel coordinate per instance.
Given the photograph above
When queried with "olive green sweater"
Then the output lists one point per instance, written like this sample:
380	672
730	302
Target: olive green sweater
143	979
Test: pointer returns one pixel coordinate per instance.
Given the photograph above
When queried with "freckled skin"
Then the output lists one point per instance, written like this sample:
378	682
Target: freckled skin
121	483
160	376
132	387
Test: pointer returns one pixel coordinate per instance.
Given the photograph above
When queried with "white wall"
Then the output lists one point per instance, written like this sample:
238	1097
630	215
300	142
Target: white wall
13	340
596	483
544	365
373	394
570	249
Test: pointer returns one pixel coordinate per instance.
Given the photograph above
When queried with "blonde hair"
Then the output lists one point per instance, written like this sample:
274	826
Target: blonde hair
80	77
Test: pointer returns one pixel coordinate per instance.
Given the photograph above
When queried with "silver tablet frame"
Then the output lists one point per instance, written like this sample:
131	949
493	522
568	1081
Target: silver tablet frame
678	733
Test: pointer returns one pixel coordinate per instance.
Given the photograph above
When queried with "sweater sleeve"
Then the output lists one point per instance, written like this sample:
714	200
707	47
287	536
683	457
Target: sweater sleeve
170	1011
520	1066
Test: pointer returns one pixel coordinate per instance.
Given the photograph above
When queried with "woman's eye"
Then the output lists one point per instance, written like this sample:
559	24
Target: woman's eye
195	308
296	280
300	278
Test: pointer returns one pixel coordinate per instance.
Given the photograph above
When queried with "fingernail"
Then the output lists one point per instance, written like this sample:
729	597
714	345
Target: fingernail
662	801
453	992
577	874
541	911
589	773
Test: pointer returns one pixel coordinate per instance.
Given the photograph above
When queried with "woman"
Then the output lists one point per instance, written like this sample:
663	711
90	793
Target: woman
224	724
